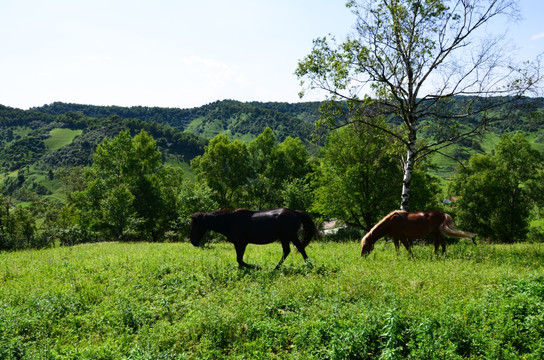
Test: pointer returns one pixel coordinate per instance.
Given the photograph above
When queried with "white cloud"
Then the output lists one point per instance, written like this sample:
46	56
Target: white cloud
537	36
214	72
197	61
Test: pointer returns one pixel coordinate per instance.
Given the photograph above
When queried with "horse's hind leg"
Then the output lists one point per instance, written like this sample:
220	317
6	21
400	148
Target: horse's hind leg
439	240
301	250
286	251
443	243
435	242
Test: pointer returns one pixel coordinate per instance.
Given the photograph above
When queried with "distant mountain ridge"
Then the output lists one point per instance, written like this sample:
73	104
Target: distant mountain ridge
24	133
237	119
36	143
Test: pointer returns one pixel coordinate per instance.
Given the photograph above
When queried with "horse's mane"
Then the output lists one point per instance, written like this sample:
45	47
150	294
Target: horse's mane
223	211
386	218
227	211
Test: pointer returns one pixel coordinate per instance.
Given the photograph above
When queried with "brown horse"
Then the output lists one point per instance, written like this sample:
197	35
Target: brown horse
242	227
403	225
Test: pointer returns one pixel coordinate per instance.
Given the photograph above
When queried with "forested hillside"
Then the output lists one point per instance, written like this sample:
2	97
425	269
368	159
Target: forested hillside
183	132
236	119
36	147
230	154
60	135
24	136
36	144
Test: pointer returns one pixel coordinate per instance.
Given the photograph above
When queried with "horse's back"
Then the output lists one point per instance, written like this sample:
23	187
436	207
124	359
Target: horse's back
279	218
417	224
265	226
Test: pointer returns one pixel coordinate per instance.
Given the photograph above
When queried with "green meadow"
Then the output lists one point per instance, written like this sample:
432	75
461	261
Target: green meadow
60	137
175	301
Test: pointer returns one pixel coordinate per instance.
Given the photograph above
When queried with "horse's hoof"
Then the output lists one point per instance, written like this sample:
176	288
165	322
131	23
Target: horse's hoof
250	267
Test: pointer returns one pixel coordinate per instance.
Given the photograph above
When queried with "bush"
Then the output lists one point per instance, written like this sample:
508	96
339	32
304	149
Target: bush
535	235
497	193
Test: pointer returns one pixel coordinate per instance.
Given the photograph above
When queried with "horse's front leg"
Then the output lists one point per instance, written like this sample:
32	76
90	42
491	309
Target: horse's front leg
240	250
286	251
397	245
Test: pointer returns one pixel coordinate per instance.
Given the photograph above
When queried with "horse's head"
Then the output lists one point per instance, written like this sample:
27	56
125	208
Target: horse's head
367	245
197	228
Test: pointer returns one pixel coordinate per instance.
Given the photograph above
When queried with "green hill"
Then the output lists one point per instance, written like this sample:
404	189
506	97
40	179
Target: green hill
36	143
237	119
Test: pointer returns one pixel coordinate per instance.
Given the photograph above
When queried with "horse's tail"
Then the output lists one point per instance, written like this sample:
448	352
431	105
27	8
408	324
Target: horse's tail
309	228
448	228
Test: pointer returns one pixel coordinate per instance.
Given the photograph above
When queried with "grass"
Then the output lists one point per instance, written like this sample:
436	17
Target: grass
174	301
61	137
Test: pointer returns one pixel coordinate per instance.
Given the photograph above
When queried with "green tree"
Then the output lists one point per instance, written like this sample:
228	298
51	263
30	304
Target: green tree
193	197
297	193
18	227
496	193
252	175
273	165
224	167
116	211
127	190
265	160
355	175
354	180
294	159
108	184
148	201
409	58
171	187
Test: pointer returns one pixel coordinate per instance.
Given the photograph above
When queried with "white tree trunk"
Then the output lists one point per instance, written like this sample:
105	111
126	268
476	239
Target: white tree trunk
408	169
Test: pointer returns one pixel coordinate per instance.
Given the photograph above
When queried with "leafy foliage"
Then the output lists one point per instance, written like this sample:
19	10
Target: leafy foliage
232	117
251	175
497	192
224	167
273	167
354	182
126	190
19	225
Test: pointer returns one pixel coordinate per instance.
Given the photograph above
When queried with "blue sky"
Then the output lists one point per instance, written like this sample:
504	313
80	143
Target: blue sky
176	53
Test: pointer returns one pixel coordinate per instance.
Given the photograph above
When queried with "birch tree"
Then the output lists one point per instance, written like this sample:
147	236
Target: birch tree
409	59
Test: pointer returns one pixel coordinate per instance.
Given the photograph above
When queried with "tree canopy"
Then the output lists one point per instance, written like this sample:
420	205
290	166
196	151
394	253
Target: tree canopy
124	190
409	58
496	193
251	175
354	182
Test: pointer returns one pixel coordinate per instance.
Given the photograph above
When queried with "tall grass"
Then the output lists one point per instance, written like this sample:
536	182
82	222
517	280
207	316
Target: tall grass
174	301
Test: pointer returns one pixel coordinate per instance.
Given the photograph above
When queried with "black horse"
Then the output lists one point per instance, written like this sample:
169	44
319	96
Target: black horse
242	227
